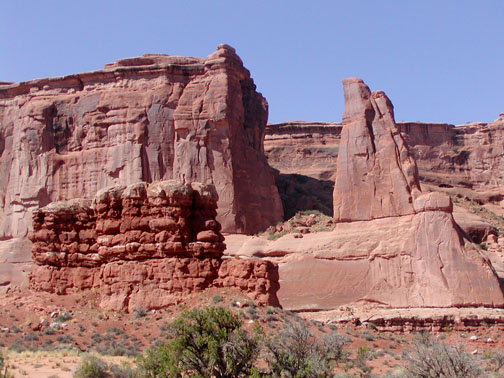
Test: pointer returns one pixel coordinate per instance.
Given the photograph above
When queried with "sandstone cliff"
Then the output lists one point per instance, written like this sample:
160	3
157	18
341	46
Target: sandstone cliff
468	156
148	118
463	160
141	246
376	176
392	245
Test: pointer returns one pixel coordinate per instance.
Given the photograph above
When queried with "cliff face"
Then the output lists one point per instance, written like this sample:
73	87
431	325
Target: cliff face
149	118
469	155
392	245
141	246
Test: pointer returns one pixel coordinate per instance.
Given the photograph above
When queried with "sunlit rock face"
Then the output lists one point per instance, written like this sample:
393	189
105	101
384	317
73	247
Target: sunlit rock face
392	245
141	246
149	118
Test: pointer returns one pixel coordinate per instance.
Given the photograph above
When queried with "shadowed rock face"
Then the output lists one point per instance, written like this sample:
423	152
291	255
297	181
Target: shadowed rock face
141	246
376	176
149	118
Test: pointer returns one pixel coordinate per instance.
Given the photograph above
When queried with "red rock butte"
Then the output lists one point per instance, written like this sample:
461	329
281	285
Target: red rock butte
135	172
149	118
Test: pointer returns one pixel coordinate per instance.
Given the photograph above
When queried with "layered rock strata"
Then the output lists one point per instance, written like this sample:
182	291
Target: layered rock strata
148	118
469	156
141	246
392	246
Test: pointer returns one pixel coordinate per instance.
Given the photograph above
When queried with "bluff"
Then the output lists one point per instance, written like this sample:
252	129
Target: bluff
149	118
141	246
464	160
468	156
392	245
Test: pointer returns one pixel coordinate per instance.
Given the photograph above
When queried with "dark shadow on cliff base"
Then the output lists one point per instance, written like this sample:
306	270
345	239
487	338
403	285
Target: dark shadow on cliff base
300	192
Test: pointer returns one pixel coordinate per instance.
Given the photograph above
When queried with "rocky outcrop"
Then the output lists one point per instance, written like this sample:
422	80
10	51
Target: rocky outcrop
392	245
141	246
148	118
417	260
470	155
376	176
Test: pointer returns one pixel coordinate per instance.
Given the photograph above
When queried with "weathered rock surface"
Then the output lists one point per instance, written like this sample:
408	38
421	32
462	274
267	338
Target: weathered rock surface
464	160
149	118
376	176
306	148
141	246
469	156
392	245
417	260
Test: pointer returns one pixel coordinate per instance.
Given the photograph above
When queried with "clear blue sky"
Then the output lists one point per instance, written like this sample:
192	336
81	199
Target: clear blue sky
440	61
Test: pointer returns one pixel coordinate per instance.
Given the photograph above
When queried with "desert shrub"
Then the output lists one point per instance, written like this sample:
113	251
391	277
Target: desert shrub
64	317
216	298
4	373
49	331
203	343
140	312
296	353
91	367
273	236
122	371
429	359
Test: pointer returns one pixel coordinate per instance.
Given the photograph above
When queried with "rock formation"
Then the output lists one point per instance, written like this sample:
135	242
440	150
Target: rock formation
392	246
376	176
468	156
305	148
141	246
148	118
154	117
462	160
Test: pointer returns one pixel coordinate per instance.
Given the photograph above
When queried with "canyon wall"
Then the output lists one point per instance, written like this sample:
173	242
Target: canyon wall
469	155
141	246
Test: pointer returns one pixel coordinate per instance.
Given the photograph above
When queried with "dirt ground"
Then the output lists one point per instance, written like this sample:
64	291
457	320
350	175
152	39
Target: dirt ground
46	335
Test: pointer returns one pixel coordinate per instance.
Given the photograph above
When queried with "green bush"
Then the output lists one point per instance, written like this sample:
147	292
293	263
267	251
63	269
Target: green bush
203	343
64	317
273	236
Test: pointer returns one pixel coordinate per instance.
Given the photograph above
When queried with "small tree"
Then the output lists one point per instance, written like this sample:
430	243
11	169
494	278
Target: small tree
204	343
